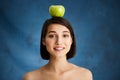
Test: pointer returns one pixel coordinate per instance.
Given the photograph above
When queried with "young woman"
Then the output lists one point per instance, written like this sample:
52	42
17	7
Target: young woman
58	45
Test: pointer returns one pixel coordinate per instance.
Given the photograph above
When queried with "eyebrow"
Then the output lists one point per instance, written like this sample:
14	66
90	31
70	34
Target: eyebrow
66	31
51	32
55	32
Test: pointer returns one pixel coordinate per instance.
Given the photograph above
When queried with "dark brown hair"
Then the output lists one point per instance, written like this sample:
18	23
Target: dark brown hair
62	21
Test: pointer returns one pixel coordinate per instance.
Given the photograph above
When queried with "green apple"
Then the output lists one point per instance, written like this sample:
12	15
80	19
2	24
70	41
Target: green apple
56	10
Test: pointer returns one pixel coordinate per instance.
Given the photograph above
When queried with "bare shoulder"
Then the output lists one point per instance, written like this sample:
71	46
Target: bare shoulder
32	75
84	73
84	70
27	76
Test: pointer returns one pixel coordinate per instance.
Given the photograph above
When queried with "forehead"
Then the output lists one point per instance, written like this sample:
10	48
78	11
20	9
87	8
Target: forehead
57	28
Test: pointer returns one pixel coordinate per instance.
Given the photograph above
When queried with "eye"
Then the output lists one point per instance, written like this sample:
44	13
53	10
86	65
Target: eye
51	36
65	35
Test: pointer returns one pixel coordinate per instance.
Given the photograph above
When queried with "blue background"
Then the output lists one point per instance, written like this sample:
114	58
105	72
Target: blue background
97	29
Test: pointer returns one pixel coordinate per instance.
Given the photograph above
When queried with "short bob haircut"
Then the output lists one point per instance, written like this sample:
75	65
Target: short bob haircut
56	20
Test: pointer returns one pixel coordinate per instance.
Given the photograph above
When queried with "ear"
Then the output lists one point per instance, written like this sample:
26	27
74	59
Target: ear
43	42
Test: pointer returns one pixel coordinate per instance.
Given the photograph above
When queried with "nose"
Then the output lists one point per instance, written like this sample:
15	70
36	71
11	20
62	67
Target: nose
58	40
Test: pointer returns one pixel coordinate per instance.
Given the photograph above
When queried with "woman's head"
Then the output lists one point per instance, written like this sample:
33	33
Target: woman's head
61	22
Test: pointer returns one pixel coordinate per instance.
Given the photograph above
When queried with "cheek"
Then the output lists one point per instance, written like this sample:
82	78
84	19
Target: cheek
69	42
49	42
48	45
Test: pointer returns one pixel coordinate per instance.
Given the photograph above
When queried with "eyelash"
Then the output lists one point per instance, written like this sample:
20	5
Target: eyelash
52	36
65	35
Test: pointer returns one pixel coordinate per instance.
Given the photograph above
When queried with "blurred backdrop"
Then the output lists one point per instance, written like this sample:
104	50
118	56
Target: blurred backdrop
97	29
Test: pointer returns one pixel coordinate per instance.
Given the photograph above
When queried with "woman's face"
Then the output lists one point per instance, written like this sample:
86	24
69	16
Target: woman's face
58	40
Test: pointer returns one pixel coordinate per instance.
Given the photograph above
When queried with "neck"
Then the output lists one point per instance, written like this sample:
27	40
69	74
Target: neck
58	64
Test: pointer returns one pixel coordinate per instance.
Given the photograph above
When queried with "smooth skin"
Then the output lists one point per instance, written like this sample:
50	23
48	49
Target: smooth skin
58	42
